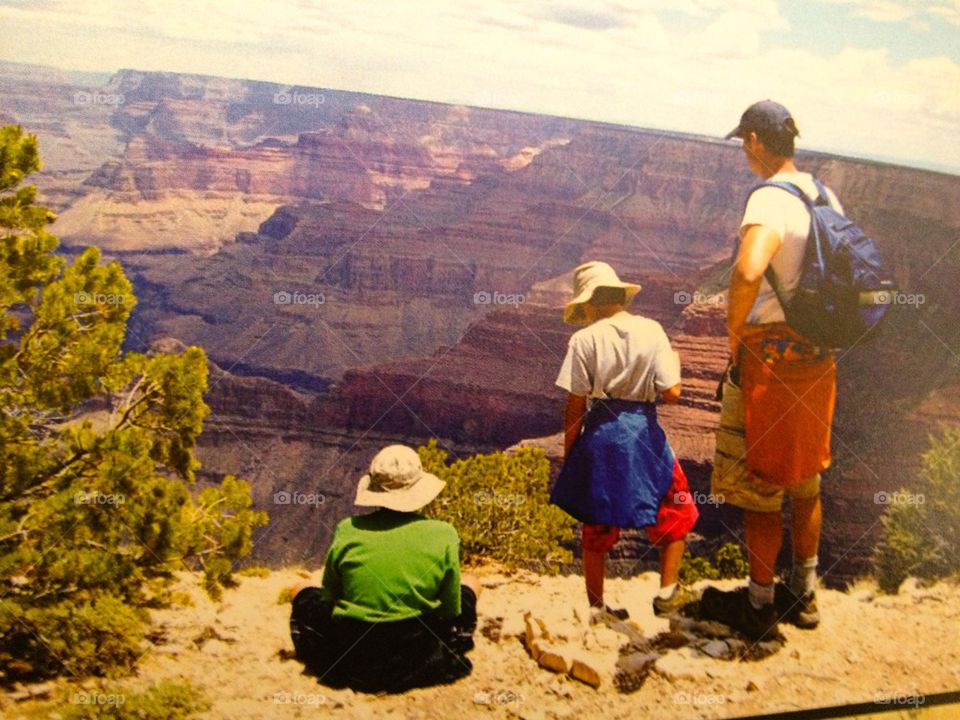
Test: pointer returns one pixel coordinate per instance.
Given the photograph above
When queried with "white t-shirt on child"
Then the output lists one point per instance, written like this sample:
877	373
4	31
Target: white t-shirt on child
788	217
624	356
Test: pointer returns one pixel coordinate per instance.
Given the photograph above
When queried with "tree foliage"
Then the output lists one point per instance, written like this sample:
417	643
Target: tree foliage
729	562
499	504
96	454
922	525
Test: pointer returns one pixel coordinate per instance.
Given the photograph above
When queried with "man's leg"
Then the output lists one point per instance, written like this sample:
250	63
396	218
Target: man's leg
799	604
806	520
763	532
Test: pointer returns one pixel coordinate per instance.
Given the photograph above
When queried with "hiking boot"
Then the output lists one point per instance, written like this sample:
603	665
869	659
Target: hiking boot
675	603
733	608
608	615
799	611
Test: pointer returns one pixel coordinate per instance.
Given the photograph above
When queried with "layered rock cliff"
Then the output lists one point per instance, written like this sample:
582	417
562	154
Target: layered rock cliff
369	269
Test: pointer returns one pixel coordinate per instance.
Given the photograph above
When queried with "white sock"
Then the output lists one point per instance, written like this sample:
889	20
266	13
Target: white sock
760	595
803	577
666	592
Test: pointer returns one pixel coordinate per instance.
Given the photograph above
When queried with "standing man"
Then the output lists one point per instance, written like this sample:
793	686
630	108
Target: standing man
779	393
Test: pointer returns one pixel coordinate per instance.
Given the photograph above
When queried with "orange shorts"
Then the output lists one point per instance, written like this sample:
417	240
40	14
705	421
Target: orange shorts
789	393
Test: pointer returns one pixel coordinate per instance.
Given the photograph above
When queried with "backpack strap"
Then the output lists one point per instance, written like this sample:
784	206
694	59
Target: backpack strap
822	199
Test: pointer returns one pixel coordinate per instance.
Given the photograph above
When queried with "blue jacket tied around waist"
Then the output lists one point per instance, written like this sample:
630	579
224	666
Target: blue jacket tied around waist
619	469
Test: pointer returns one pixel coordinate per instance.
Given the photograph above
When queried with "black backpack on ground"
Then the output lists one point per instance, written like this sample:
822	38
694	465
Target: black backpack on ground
844	290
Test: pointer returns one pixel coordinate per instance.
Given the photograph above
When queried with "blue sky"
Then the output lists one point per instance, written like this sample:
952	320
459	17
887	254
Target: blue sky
875	78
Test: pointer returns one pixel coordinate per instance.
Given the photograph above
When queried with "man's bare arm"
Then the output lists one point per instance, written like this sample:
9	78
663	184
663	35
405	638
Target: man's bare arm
758	244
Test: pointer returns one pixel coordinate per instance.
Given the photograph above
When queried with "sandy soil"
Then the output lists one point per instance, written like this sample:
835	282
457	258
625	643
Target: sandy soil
868	647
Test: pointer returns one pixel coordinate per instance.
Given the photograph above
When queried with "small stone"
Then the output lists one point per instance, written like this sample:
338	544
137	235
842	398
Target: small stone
910	586
752	686
585	674
712	628
551	659
716	649
738	648
492	629
795	654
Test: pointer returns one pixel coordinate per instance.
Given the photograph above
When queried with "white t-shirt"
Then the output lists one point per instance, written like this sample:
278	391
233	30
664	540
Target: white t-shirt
624	356
786	215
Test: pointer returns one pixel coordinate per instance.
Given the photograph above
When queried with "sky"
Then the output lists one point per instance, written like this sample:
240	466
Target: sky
868	78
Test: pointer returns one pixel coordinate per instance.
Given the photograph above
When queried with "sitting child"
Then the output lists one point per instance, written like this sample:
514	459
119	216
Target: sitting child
619	470
391	613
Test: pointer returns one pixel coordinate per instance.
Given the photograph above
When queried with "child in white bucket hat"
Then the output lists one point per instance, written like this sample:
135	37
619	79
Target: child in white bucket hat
619	470
393	612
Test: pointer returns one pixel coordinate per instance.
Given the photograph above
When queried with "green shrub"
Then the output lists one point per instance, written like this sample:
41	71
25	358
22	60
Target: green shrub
167	700
499	505
729	562
921	527
97	455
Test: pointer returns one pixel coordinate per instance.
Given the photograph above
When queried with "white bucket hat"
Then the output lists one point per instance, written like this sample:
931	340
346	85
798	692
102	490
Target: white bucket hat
587	278
397	481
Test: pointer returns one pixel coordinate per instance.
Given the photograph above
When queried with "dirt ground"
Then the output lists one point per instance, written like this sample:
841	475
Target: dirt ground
869	647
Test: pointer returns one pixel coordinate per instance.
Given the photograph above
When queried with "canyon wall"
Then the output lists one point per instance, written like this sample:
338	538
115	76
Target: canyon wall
364	270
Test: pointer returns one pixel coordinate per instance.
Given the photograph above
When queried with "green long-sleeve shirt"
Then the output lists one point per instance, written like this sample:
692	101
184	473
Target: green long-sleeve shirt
390	566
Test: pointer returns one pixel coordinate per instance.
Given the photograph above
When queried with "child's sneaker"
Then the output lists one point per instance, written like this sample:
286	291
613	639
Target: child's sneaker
680	598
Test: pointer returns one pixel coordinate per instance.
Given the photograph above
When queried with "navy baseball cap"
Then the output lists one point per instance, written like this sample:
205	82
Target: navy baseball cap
765	118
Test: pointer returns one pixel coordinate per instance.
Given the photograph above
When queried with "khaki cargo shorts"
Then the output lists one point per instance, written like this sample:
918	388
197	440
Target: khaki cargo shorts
731	482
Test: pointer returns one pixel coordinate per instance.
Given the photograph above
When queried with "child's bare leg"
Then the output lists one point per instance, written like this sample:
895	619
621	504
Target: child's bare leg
670	557
593	572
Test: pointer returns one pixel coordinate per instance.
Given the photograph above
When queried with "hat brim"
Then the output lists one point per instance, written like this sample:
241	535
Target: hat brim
413	497
573	311
736	132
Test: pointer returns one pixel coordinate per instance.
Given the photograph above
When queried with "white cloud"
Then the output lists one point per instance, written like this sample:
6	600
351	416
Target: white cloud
608	60
948	10
879	10
895	11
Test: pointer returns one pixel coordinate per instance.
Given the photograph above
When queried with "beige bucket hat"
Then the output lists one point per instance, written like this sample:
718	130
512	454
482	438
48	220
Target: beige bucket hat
397	481
587	278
